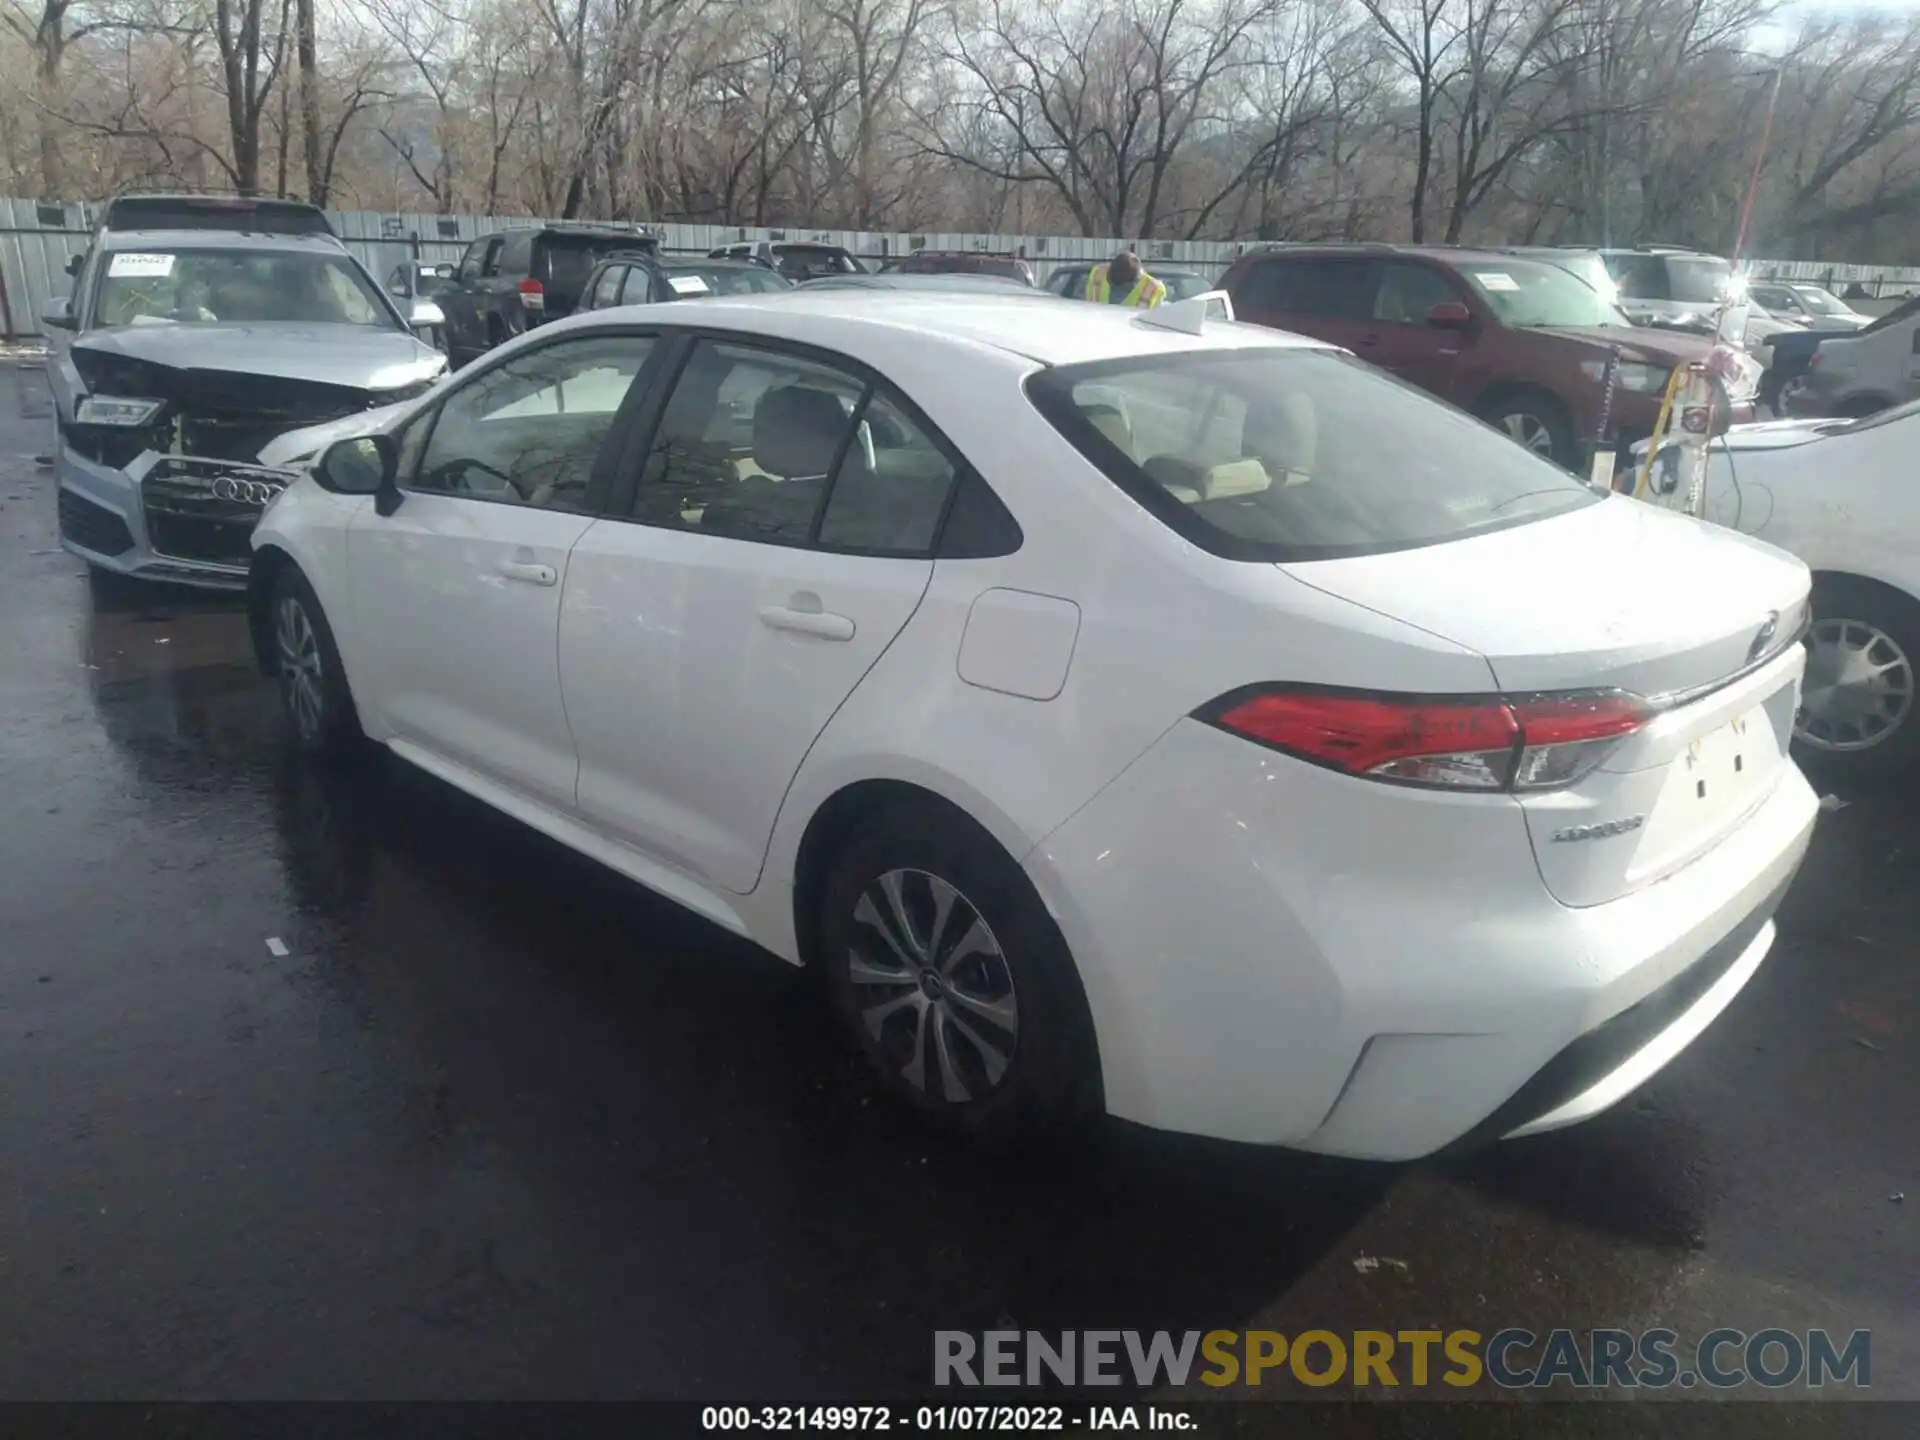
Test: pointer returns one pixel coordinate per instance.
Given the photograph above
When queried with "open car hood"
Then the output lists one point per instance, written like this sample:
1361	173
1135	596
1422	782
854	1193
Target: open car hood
364	357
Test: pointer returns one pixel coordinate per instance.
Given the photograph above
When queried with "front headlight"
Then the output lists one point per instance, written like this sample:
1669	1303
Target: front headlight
116	410
1635	375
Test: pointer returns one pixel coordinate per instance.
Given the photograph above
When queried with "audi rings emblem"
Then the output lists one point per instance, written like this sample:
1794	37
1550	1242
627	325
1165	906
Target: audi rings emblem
253	492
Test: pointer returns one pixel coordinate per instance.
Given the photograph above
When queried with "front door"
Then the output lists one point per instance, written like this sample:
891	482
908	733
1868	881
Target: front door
470	567
1401	339
780	537
464	304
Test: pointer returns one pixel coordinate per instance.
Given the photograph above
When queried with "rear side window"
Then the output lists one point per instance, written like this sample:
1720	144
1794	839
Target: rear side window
1296	455
516	255
1327	289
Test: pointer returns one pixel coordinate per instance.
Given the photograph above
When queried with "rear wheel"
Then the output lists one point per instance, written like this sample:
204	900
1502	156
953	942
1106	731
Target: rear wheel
952	979
1857	701
1536	420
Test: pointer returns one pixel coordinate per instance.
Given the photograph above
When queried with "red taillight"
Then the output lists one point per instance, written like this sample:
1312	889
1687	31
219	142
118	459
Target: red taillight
1813	361
1475	743
533	294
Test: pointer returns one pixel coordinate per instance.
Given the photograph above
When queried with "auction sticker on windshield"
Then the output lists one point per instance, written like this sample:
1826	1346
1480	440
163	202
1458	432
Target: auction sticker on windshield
1495	280
134	262
687	284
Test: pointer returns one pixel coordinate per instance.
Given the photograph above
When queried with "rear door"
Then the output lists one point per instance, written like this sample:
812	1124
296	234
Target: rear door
1328	297
763	569
462	303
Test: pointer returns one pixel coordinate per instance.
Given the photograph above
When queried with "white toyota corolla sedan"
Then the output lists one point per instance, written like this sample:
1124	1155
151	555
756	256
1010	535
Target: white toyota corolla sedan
1127	711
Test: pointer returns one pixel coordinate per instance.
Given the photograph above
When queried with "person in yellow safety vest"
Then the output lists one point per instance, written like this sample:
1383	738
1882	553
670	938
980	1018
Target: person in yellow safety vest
1122	281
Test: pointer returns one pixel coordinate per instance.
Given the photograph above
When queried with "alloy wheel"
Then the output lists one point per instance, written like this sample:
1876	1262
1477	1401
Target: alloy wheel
1531	431
932	986
301	672
1858	690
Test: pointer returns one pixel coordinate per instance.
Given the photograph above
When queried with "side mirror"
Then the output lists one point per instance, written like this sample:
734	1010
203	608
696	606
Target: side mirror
57	314
426	315
361	465
76	263
1450	315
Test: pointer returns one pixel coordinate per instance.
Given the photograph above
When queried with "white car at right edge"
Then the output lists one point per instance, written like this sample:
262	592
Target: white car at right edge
1839	494
1129	712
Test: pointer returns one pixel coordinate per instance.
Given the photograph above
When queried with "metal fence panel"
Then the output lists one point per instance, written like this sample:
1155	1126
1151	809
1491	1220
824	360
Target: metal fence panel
38	237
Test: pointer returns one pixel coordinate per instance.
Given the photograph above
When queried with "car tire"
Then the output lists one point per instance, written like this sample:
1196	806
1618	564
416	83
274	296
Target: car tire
1536	420
306	663
1859	714
1860	407
983	1027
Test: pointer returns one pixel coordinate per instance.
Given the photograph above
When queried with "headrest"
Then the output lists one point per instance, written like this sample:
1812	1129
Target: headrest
797	431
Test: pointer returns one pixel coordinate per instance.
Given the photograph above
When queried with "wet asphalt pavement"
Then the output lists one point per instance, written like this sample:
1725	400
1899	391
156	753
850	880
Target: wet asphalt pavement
499	1124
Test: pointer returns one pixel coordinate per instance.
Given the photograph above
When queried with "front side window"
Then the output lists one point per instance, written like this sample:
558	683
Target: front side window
204	287
1408	292
527	432
760	445
1291	455
1530	296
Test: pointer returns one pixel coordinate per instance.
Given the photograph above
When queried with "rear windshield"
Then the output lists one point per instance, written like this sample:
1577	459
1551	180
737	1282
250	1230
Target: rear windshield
803	262
571	258
1295	455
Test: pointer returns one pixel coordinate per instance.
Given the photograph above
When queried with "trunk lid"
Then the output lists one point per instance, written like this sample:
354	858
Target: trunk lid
1619	595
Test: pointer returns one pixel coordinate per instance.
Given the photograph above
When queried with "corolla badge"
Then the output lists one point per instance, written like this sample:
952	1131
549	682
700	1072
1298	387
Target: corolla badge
1601	830
1764	639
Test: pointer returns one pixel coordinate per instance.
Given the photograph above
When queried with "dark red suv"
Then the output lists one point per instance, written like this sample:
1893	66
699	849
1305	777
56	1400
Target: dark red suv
1520	342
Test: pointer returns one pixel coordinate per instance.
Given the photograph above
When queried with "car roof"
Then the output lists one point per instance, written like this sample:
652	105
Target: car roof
862	322
254	240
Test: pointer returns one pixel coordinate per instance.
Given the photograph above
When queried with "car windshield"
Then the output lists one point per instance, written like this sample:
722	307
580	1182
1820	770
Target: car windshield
731	280
1821	302
1529	296
1698	280
1181	285
1296	455
153	287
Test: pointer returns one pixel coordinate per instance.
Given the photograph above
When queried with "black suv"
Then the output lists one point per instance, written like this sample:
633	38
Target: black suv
513	279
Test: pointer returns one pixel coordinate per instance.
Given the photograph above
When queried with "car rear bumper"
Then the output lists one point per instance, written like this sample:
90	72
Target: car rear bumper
1278	953
106	517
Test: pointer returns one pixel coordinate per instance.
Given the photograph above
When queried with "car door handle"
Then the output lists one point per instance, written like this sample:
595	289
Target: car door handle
824	624
529	573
